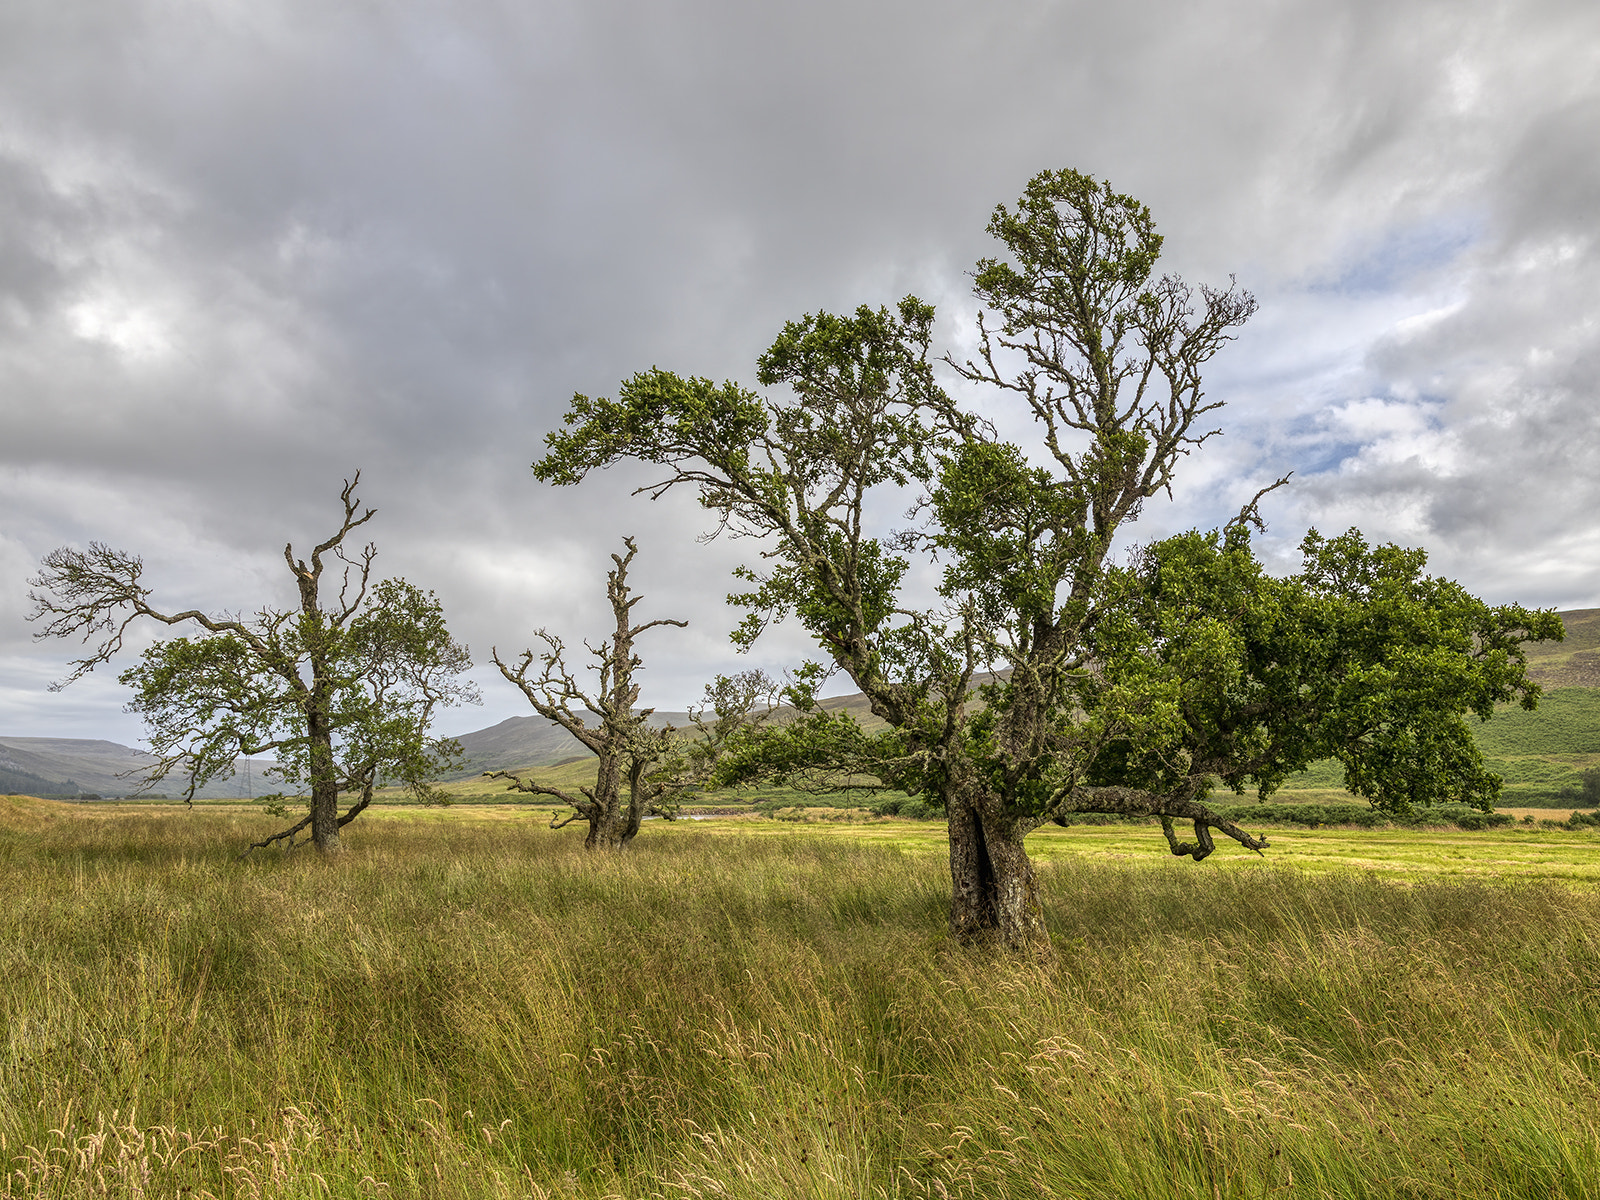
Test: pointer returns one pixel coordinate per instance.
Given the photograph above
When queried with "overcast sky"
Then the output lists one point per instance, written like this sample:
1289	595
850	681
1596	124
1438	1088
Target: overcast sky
249	247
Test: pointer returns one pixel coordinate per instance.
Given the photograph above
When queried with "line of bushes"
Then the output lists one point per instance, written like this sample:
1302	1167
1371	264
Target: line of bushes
1312	815
1578	820
1307	815
914	807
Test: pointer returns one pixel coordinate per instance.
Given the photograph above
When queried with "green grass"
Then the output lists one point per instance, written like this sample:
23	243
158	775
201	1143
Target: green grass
1541	754
467	1005
1566	724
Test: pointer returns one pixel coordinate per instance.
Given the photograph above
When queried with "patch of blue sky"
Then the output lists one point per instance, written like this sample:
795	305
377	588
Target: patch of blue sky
1319	456
1401	254
1322	441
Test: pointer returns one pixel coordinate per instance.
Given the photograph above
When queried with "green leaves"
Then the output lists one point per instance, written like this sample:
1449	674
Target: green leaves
1078	246
1361	657
209	700
206	701
1137	688
657	417
822	752
861	413
340	693
1011	535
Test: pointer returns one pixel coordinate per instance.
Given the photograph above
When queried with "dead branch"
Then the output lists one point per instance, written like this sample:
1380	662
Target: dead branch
533	788
278	837
1250	515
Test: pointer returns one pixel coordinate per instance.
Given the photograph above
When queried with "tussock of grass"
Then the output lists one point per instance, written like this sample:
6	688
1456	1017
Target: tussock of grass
464	1008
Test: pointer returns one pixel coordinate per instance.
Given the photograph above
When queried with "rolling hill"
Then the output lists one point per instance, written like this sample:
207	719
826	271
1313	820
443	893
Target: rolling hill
1574	662
1539	753
72	766
518	743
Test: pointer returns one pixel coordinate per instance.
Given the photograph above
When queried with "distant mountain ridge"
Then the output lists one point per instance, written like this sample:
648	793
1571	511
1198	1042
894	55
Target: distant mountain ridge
519	743
73	766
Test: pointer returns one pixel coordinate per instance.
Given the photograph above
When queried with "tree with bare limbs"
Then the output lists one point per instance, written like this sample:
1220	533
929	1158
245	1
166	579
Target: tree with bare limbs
1042	679
632	753
339	689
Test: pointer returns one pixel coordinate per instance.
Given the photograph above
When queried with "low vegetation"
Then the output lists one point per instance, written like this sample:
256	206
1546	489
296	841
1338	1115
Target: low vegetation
468	1005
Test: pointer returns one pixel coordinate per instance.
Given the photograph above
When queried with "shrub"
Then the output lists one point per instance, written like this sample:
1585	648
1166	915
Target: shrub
915	807
1361	815
1589	787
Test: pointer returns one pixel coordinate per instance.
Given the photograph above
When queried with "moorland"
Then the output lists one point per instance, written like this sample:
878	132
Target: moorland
467	1005
763	1001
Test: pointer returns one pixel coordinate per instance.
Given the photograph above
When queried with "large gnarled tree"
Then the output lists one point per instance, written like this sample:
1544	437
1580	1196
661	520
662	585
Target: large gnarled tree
1103	689
340	689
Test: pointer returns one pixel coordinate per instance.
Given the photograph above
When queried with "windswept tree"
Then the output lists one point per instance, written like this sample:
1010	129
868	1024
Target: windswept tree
1101	689
340	689
633	754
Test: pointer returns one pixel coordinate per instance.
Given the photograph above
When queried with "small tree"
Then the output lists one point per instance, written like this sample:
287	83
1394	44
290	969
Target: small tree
732	709
630	750
341	692
1100	699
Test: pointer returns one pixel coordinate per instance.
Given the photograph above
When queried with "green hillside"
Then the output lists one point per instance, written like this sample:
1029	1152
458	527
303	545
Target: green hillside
1539	754
1573	662
1566	725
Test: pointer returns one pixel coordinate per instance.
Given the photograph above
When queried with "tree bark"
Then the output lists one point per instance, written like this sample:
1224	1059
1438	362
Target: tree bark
616	743
605	824
324	786
994	893
611	825
638	802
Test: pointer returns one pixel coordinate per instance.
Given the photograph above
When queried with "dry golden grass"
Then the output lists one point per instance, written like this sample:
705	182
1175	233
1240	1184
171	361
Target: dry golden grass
468	1005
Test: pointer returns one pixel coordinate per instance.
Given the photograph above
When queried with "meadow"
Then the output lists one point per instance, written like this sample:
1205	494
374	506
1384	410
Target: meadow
467	1005
1540	755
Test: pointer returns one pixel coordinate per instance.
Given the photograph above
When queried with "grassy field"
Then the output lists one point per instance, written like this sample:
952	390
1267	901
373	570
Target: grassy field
467	1005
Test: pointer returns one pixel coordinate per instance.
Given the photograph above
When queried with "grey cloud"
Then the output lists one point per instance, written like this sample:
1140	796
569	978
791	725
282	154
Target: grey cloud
246	249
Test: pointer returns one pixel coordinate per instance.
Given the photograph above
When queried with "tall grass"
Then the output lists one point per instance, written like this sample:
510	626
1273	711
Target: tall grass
474	1008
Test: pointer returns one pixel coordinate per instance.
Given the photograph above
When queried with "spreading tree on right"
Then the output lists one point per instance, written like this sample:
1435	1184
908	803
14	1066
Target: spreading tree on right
1048	677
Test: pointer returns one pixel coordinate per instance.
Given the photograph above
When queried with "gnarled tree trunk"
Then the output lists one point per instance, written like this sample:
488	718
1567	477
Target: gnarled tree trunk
994	893
608	823
623	740
324	779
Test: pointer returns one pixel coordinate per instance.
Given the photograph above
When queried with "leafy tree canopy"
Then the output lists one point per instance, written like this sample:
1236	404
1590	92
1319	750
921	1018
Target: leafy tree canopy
1045	678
